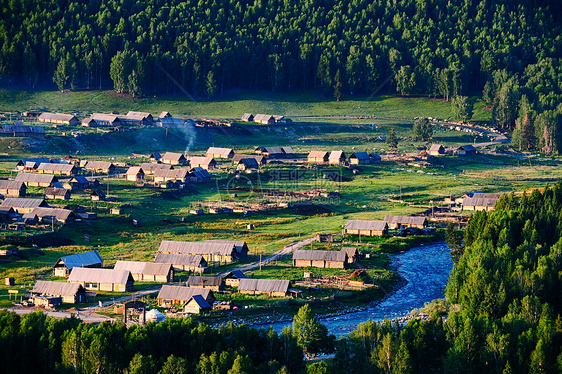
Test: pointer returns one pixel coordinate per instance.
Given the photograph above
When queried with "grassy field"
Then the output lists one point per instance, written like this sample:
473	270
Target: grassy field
163	215
233	105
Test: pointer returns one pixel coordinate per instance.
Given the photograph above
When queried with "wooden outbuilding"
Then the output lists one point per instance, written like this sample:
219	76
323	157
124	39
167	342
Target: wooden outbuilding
135	174
270	287
197	305
352	254
464	150
150	168
155	157
70	293
78	183
179	295
241	247
217	252
57	193
100	167
319	259
199	175
213	283
203	162
102	119
174	175
64	265
264	119
57	169
182	262
337	158
232	278
216	152
247	117
173	158
318	157
59	118
359	158
102	279
479	203
437	150
366	228
247	164
260	160
404	222
36	180
12	188
51	215
147	271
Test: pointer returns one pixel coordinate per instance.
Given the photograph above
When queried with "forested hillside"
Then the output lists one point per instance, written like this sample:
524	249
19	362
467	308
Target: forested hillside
507	285
510	51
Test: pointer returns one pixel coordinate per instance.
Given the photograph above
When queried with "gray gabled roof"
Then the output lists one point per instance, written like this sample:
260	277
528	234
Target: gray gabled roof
80	179
35	178
366	225
406	220
182	293
180	259
171	173
55	191
56	213
150	166
11	185
199	280
147	268
98	165
486	195
436	147
351	251
66	168
104	117
56	288
239	244
200	173
197	248
314	255
482	202
239	157
99	275
249	162
82	259
288	150
134	170
22	202
264	285
273	150
263	117
234	274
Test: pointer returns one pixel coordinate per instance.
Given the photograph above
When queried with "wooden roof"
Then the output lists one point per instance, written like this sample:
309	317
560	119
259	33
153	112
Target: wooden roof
99	275
104	117
180	259
197	248
35	178
98	165
201	302
248	116
53	191
173	156
436	147
56	288
219	151
483	195
22	202
56	117
366	225
147	268
406	220
239	244
314	255
263	117
134	170
317	154
351	251
132	114
482	202
199	280
239	157
201	160
264	285
11	185
234	274
150	166
248	162
173	173
336	155
182	293
56	167
360	156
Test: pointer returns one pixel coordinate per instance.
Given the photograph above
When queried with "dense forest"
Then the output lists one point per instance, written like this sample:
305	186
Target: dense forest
510	51
508	319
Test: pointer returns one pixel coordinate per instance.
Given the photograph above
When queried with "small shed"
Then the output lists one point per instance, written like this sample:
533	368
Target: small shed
265	119
197	305
464	150
12	188
232	278
359	158
436	150
214	283
57	193
97	195
352	254
337	158
247	164
135	174
318	157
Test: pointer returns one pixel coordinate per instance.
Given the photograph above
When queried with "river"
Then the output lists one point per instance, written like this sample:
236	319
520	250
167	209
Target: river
425	270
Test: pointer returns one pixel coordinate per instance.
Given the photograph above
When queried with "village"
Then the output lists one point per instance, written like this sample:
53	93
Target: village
51	196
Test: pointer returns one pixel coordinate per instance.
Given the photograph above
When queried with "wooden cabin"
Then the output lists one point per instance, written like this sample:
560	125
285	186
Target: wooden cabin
12	188
318	157
172	158
70	293
224	252
203	162
57	169
64	265
179	295
147	271
213	283
57	193
102	279
182	262
58	118
232	278
337	158
216	152
36	180
366	228
197	305
359	158
437	150
404	222
270	287
22	204
135	174
319	259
